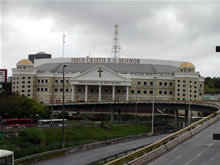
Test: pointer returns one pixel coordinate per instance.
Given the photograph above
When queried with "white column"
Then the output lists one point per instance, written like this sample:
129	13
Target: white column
86	93
113	93
73	93
100	93
127	93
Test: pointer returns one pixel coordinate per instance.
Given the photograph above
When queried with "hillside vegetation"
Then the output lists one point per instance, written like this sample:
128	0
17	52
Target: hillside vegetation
212	85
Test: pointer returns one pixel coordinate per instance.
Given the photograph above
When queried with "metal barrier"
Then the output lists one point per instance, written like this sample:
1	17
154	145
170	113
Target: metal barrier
127	158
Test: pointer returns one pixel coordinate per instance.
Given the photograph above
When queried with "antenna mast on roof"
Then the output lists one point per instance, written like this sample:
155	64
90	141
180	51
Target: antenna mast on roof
63	44
116	46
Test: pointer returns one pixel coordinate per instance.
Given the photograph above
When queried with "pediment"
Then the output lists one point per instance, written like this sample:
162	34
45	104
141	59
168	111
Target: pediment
99	74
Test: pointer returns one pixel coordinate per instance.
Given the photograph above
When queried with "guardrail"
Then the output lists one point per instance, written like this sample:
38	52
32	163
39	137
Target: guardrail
81	147
166	143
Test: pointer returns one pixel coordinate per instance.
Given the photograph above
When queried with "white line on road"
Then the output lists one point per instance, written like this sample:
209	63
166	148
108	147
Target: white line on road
187	163
210	144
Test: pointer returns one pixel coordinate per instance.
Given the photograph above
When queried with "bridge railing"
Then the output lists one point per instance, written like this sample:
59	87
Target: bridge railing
127	158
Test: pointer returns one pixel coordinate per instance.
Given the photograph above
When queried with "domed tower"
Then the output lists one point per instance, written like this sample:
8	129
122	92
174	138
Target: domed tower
25	64
189	85
23	78
187	67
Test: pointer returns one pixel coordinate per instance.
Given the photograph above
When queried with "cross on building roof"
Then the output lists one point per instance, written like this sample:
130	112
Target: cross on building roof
100	72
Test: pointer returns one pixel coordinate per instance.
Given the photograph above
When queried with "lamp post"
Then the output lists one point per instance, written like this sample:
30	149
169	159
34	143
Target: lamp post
63	135
153	102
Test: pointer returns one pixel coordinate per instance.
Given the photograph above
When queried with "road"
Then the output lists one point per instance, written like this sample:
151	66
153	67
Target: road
201	149
85	157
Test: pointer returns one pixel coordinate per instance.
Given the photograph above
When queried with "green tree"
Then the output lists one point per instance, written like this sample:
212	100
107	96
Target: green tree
15	106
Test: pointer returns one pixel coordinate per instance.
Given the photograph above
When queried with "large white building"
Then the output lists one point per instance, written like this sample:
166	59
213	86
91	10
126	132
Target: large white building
107	79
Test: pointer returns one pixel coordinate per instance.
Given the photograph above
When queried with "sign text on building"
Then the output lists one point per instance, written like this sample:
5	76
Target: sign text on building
106	60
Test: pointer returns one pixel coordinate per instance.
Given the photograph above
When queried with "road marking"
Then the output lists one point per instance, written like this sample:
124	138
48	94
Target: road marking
210	144
187	163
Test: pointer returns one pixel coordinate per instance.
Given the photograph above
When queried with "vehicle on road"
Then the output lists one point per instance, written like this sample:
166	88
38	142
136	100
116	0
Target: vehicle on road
6	157
16	123
51	123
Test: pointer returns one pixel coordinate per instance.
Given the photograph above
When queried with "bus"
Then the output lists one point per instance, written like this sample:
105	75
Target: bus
6	157
51	122
16	123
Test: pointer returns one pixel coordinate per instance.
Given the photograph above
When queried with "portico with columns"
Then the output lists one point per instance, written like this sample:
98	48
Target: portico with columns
100	84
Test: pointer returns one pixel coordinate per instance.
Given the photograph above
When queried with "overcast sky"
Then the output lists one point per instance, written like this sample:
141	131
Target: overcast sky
181	31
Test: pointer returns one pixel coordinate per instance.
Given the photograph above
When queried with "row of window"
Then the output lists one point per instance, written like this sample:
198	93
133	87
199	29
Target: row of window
184	90
151	92
178	85
145	84
178	94
190	81
46	81
23	86
23	82
23	78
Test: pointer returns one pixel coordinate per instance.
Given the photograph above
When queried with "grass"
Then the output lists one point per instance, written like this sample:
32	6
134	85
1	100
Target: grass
35	140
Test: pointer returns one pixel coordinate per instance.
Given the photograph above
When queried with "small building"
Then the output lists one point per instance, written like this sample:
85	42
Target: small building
40	55
3	77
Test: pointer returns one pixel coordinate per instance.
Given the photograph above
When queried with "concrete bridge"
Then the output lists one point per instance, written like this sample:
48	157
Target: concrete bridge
139	106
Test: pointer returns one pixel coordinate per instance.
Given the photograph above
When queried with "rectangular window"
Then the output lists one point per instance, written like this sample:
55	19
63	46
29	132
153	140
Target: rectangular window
151	92
165	83
145	92
132	91
56	81
138	92
45	89
145	83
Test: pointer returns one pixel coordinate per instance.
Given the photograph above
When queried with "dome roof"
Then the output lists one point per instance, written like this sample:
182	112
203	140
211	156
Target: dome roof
24	62
187	65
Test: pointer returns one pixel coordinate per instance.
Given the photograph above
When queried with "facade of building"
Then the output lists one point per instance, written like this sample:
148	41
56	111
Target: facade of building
3	77
107	79
40	55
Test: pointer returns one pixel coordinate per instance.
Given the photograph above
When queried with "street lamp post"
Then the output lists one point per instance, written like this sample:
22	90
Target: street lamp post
153	102
63	134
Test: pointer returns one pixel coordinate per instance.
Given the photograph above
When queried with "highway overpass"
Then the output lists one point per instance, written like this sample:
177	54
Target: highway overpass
201	149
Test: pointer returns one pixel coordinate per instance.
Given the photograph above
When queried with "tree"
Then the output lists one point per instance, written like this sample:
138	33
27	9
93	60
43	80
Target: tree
15	106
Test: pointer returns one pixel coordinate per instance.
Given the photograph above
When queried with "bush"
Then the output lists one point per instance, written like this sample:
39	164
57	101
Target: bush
35	136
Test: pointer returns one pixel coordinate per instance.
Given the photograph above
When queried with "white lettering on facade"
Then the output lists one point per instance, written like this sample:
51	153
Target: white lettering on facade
100	82
106	60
